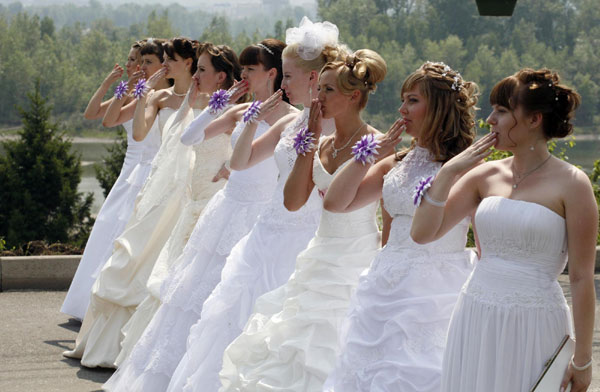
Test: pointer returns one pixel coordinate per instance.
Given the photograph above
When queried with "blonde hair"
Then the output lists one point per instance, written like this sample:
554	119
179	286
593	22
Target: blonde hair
361	71
449	126
327	55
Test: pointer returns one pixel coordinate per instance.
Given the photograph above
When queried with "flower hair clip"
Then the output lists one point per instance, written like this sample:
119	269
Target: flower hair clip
365	149
252	112
140	89
304	141
121	90
218	101
457	84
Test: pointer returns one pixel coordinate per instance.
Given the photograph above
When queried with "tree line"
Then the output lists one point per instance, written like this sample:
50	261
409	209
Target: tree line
72	60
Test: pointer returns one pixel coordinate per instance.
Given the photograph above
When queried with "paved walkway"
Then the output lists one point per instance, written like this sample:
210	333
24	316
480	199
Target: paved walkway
34	334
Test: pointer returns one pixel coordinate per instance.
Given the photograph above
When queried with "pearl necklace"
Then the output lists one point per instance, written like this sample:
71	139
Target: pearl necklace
336	150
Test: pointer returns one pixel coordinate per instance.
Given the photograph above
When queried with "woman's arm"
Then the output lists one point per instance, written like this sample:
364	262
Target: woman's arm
299	184
144	115
581	214
432	222
386	219
121	110
96	108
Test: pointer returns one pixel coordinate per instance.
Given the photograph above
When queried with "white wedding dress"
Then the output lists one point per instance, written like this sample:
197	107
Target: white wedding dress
228	217
121	285
112	218
511	314
209	158
290	343
260	262
394	336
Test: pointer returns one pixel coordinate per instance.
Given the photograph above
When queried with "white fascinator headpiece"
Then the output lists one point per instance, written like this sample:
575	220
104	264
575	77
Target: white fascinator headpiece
312	37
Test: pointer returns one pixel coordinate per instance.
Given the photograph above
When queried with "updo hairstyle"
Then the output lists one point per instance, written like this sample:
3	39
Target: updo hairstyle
361	71
539	92
328	54
153	46
449	126
186	48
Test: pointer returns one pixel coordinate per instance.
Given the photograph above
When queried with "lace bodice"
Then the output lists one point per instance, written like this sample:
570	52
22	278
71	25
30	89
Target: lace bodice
285	157
398	190
349	224
257	182
523	250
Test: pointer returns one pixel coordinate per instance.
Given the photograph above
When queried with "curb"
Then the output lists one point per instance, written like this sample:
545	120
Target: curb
56	272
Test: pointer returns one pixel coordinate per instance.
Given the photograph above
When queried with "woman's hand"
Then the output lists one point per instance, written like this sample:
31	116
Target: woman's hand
471	156
156	78
114	75
269	105
137	75
223	173
389	141
580	379
315	118
238	90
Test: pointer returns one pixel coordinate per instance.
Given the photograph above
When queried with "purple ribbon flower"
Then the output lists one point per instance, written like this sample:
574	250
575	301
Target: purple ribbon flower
218	101
140	88
365	149
121	89
421	188
252	112
303	141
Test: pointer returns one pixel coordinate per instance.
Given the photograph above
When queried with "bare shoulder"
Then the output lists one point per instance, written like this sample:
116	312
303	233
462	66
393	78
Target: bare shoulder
290	109
374	131
571	179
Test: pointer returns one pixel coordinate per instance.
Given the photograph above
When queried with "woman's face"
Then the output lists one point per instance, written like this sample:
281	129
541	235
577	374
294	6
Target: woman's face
176	66
413	111
133	60
295	82
509	125
333	101
256	76
206	76
150	64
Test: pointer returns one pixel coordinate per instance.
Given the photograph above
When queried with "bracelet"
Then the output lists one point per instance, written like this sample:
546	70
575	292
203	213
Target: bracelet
433	202
581	368
252	113
365	149
219	101
226	165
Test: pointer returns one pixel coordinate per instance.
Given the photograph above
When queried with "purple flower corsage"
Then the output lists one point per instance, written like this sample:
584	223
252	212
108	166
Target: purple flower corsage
218	101
303	141
252	112
140	88
121	89
365	149
421	188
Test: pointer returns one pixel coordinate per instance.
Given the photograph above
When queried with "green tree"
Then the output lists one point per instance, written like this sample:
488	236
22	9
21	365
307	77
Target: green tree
39	176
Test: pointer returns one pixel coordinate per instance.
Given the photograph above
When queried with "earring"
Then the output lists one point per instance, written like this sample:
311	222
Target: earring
532	148
310	92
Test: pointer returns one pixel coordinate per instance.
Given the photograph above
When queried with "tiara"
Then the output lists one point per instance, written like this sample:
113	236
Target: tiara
266	48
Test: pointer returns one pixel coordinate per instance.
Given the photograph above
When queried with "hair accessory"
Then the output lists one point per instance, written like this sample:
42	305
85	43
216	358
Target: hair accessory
265	47
140	89
422	187
365	149
218	101
312	38
252	112
150	40
303	141
457	84
121	89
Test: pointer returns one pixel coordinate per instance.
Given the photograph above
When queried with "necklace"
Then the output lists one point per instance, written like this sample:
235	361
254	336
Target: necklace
524	175
336	150
178	95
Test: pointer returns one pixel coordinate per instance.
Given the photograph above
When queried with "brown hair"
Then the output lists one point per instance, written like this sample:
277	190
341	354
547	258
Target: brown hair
223	59
449	126
539	91
153	46
271	58
186	48
361	71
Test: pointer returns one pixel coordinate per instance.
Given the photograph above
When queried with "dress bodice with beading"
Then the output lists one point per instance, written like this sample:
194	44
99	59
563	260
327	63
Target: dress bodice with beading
523	250
285	157
348	224
398	199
